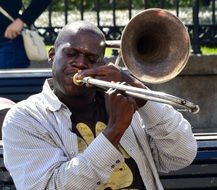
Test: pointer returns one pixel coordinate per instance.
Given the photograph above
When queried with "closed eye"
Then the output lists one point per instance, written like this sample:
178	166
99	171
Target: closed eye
70	52
73	53
93	59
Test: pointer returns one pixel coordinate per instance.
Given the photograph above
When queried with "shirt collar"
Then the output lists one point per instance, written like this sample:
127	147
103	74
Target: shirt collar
52	102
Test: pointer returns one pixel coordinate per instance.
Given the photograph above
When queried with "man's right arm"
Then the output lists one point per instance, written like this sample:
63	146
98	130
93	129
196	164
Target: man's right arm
35	161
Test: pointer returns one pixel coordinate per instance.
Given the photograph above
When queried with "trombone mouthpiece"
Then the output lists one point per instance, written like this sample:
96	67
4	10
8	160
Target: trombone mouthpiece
76	81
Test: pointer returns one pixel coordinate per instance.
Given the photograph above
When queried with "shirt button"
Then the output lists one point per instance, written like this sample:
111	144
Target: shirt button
112	166
117	161
98	183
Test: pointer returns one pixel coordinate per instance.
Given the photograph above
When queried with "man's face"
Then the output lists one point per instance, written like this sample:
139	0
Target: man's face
77	51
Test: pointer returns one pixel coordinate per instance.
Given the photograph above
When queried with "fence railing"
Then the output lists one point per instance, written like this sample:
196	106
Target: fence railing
199	18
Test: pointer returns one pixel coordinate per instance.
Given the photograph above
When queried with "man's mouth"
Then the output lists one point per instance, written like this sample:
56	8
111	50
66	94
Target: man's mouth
71	72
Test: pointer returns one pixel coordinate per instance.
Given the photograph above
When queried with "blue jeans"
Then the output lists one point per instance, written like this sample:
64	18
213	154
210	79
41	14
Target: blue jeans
12	54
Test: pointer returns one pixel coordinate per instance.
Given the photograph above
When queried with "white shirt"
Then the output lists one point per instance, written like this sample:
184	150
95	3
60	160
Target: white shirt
41	152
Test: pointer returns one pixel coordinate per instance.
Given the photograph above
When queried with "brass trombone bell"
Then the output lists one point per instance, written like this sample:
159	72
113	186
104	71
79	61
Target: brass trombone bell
155	46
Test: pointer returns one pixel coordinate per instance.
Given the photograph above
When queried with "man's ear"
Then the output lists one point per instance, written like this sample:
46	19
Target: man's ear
51	54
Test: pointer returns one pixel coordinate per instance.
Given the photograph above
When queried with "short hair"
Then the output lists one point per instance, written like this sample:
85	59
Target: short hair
78	26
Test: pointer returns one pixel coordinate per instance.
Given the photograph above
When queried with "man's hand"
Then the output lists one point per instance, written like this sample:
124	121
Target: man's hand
111	73
120	109
14	29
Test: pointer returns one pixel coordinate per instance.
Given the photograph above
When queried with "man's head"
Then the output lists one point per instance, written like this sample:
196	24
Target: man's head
79	45
79	26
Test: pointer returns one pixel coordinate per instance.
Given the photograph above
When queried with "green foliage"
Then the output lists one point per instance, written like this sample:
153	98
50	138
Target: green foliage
209	50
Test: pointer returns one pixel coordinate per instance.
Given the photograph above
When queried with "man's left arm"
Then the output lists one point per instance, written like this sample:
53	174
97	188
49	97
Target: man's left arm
171	139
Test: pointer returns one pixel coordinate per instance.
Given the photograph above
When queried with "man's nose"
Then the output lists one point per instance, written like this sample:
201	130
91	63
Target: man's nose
81	61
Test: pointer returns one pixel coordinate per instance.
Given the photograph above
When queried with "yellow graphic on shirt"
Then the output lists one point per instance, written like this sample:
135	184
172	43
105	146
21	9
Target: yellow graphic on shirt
122	176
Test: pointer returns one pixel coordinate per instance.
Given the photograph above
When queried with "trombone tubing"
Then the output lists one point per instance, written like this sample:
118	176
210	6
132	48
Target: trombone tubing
145	94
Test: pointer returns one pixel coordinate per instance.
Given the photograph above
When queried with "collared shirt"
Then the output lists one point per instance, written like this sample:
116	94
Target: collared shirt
41	151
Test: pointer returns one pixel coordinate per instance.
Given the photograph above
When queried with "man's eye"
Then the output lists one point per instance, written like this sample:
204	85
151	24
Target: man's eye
93	60
71	53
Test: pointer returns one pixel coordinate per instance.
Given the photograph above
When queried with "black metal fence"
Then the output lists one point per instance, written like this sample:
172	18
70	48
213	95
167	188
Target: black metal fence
200	20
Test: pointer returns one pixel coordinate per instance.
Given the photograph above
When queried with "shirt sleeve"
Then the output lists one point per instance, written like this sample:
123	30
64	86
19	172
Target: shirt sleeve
171	139
35	161
34	10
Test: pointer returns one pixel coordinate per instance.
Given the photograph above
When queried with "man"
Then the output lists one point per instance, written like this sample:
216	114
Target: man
78	137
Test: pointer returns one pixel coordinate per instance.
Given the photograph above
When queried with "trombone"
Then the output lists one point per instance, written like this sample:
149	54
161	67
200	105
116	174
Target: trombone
155	47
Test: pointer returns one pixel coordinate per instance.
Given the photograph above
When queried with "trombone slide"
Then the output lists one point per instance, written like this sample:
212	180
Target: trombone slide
147	94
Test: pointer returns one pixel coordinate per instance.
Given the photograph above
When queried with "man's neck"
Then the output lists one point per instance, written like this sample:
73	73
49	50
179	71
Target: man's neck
78	103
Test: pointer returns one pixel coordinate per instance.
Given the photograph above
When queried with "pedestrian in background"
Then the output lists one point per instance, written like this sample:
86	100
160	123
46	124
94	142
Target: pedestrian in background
12	52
